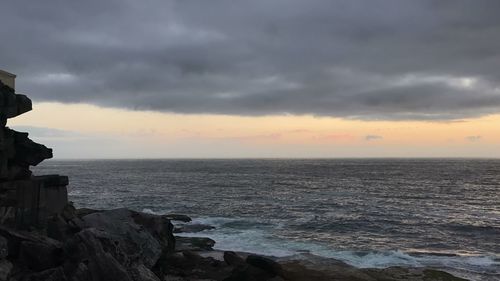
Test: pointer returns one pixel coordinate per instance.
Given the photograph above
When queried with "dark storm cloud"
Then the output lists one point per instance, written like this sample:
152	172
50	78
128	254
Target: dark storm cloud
433	60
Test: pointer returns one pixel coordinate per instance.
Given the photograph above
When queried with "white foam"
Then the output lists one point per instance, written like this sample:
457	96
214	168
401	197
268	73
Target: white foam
373	259
259	240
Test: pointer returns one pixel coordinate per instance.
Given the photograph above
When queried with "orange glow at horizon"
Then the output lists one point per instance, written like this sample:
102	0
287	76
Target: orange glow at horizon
303	136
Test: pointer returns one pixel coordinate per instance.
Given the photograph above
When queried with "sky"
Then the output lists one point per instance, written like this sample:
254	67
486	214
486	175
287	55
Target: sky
231	79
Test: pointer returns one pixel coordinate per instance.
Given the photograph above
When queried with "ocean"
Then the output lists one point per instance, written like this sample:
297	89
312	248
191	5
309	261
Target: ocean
442	213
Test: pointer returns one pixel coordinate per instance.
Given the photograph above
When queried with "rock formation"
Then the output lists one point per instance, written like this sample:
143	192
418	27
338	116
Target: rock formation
25	200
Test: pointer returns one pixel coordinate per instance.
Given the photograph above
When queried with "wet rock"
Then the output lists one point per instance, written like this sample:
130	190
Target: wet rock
193	243
192	228
192	266
410	274
432	274
177	217
266	264
231	258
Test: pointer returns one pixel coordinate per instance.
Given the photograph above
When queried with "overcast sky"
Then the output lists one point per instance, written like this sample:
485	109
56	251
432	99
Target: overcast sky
409	60
259	78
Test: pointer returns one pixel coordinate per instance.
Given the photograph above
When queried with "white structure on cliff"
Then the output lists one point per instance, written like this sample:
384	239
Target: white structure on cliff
8	78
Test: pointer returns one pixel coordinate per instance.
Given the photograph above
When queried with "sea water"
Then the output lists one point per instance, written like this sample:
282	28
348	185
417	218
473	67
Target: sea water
442	213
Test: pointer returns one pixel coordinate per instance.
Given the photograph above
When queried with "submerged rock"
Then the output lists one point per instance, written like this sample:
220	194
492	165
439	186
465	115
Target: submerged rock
177	217
193	243
192	228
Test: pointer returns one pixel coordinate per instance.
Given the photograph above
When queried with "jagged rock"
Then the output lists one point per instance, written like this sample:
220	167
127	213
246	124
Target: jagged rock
12	104
27	151
34	198
5	269
177	217
193	243
92	263
142	273
121	235
192	228
16	238
160	227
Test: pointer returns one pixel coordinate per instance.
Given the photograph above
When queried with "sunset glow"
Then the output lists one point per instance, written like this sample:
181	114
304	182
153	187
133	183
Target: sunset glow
127	133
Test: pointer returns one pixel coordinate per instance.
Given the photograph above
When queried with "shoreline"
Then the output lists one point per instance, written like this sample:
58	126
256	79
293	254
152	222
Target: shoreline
313	260
122	245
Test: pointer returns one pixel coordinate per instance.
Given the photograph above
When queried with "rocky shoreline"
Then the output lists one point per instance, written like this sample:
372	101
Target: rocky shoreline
122	244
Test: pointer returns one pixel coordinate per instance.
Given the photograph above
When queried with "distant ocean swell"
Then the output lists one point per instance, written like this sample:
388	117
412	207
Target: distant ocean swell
442	213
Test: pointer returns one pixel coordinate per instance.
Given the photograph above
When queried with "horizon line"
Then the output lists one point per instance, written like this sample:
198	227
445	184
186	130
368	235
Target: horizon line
287	158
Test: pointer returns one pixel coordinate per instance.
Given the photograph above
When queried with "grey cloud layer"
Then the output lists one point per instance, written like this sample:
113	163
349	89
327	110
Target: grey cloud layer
387	59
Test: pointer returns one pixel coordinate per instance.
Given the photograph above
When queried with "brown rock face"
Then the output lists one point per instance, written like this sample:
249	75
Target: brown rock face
25	200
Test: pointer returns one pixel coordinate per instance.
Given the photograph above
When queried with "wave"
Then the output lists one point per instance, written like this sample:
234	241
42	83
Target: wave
255	237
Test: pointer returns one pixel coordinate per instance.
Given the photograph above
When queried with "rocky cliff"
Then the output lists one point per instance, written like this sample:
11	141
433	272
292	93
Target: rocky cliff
25	200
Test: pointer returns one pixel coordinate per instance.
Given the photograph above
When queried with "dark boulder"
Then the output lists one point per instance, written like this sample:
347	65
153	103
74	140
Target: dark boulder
130	236
191	266
267	264
192	228
160	227
87	259
248	273
16	238
177	217
193	243
231	258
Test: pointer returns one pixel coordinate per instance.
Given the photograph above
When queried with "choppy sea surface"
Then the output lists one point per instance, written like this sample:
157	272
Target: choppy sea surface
443	213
